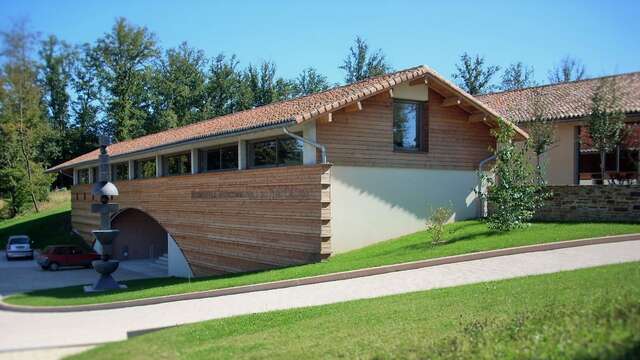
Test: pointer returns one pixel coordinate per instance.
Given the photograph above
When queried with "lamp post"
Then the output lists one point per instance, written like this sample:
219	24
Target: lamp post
104	190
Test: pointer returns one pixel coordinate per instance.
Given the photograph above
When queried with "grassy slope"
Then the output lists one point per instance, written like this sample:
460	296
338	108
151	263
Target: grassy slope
591	313
50	226
464	237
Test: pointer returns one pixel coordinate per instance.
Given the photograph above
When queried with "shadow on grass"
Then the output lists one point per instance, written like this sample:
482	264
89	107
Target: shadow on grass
51	229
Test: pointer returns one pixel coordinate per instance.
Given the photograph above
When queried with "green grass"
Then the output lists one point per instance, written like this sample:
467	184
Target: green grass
464	237
583	314
50	226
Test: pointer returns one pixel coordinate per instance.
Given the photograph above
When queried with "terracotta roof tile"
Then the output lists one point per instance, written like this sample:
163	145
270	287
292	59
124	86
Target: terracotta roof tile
562	101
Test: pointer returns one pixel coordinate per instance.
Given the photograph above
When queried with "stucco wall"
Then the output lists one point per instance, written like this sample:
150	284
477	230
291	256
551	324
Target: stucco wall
371	204
561	158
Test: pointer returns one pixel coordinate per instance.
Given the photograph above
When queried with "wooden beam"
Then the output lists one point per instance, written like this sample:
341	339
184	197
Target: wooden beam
419	81
391	92
451	101
477	117
329	117
357	106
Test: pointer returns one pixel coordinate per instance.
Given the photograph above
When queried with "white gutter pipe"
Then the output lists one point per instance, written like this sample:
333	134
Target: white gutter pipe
483	202
322	148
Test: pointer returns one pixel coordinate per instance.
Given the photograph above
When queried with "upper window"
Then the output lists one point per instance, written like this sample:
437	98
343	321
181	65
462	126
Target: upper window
120	171
178	164
83	176
407	124
145	168
280	151
220	158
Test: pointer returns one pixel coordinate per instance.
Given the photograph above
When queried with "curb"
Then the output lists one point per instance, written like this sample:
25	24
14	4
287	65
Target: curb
322	278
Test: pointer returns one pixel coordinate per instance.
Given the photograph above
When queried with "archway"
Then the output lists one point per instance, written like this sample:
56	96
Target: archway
141	236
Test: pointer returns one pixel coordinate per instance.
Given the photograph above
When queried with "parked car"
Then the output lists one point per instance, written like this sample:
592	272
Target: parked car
53	257
19	246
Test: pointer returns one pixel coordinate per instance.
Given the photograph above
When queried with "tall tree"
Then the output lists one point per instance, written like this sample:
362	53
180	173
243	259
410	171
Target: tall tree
473	75
265	86
310	81
227	91
85	106
517	76
179	87
606	121
360	63
21	116
122	59
569	69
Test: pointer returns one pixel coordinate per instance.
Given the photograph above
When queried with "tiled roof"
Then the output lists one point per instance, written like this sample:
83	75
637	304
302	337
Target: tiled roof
562	101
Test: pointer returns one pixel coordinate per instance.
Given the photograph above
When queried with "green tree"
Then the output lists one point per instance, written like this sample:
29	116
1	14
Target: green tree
473	75
541	130
122	59
265	86
85	106
360	63
310	81
514	190
569	69
227	90
22	119
606	121
517	76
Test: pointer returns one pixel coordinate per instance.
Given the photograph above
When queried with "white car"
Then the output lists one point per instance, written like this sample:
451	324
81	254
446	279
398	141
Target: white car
19	246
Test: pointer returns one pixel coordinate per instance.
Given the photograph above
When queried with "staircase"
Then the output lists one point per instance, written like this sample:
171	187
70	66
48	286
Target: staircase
162	260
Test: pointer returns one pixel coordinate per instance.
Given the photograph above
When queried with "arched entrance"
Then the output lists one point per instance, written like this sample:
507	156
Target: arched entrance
141	236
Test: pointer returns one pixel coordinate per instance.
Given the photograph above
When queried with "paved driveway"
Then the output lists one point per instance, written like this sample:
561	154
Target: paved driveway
26	275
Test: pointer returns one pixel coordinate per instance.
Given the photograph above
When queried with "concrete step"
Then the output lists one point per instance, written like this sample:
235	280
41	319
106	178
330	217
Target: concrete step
162	260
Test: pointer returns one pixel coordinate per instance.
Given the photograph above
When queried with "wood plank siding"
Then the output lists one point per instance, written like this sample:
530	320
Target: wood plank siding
231	221
365	138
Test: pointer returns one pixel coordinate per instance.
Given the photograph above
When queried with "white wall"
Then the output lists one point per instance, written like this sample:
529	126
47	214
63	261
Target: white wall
370	204
178	265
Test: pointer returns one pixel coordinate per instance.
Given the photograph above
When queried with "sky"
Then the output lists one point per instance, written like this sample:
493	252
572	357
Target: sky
604	35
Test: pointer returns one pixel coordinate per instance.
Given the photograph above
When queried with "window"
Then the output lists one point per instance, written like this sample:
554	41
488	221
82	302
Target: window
178	164
280	151
94	175
83	176
120	171
219	158
145	168
407	125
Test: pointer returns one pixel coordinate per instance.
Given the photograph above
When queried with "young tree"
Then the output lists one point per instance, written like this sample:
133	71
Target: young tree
517	76
360	63
21	117
606	121
515	192
569	69
122	59
541	130
473	75
310	81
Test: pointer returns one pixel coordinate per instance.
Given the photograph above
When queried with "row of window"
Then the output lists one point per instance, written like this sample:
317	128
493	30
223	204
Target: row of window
408	135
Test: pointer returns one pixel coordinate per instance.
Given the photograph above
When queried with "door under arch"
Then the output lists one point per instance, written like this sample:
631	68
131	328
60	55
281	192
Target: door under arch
141	236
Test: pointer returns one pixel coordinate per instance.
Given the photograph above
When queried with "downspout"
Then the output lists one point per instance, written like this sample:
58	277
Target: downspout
483	202
322	148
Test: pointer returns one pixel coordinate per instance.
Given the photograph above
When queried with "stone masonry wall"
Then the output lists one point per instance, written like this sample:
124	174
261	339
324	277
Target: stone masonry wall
592	203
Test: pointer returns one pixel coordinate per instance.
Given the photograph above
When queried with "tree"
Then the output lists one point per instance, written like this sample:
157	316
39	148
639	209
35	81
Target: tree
227	90
310	81
21	119
473	75
515	192
122	59
361	64
606	121
517	76
265	86
541	130
86	104
569	69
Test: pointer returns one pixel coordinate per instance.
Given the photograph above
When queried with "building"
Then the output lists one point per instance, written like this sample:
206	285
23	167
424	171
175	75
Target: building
295	181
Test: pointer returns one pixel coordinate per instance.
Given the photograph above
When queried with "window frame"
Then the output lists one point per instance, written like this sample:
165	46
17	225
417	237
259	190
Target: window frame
114	171
250	152
420	126
136	162
202	158
165	163
88	178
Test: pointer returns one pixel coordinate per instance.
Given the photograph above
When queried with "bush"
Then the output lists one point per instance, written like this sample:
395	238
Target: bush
435	226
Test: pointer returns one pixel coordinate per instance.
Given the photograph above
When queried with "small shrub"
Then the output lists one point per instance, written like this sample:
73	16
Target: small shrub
437	221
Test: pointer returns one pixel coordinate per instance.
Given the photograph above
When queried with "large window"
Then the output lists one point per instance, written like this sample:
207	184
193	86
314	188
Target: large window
280	151
622	163
220	158
145	168
120	171
407	123
178	164
83	176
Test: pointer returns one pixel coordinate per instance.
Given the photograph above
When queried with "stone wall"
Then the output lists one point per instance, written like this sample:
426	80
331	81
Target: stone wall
592	203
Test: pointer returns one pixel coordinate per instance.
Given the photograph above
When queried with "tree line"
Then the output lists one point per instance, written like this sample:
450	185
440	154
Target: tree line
56	98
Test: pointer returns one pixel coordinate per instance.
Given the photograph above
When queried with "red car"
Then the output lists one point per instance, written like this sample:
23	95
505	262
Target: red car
53	257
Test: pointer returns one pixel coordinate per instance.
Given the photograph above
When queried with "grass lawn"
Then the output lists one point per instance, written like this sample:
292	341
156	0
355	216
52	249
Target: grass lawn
464	237
583	314
48	227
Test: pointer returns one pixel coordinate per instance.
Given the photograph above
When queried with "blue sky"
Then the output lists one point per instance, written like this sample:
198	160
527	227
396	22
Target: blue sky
604	35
